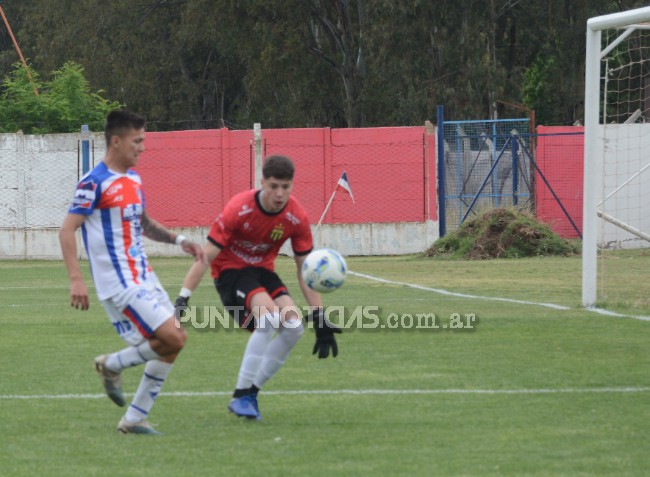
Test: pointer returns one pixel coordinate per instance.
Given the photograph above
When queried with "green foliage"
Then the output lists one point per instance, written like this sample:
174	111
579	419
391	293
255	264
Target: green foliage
549	90
303	63
20	107
536	87
57	106
502	233
70	96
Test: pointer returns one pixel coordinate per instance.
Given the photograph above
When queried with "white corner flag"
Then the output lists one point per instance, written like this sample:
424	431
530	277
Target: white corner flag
345	185
341	184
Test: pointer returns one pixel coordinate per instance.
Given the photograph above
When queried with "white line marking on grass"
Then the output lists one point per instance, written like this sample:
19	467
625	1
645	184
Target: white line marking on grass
33	287
357	392
460	295
555	306
602	311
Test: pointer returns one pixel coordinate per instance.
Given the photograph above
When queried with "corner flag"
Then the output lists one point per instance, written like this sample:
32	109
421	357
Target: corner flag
345	185
341	184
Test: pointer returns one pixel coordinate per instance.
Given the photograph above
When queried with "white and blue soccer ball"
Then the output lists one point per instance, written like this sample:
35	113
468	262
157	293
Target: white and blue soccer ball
324	270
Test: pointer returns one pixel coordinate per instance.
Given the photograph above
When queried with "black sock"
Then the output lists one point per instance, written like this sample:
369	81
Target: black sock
254	389
241	392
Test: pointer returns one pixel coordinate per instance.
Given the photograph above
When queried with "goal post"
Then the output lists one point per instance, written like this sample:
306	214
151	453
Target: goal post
598	146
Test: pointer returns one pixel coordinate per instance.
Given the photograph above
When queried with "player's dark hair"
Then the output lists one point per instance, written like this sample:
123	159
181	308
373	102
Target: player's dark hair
119	121
278	167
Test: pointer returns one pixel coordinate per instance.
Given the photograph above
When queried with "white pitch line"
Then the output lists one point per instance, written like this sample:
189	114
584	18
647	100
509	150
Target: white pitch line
356	392
440	291
602	311
555	306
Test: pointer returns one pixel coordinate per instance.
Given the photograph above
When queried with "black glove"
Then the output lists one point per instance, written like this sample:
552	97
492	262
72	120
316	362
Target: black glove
325	332
181	303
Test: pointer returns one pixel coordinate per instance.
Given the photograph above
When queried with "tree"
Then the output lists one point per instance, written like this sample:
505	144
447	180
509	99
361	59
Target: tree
283	84
301	63
336	35
62	104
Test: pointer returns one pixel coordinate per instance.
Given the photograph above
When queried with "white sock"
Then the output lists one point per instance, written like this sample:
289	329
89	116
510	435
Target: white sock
155	373
255	349
131	356
278	351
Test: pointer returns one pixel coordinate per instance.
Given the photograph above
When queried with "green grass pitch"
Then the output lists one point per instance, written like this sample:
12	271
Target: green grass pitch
528	391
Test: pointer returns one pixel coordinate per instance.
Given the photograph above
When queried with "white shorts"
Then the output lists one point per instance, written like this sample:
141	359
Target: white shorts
139	310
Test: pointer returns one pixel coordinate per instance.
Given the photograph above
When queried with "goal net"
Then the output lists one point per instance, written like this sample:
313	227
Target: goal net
617	159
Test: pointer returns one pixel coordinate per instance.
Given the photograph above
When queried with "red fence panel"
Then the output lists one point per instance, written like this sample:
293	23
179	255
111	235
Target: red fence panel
189	175
307	148
387	170
384	163
559	155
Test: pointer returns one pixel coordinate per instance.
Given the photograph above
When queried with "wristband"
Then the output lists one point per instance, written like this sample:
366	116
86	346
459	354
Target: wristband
179	239
185	292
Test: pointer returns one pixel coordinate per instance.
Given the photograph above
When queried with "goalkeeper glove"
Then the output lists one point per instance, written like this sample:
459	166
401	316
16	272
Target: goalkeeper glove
325	332
181	303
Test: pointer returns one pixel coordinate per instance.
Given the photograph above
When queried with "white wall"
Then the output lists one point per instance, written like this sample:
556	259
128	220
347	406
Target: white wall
38	175
626	152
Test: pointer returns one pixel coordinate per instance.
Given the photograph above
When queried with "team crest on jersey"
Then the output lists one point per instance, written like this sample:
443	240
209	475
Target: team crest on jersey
278	232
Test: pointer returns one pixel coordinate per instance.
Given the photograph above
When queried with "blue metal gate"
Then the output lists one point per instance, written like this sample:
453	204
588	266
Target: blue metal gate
481	166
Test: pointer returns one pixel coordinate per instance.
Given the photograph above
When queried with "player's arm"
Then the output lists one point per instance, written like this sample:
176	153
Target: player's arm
68	240
323	328
155	231
313	298
196	272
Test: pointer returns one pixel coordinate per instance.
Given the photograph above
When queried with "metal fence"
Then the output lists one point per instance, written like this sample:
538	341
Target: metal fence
37	179
484	165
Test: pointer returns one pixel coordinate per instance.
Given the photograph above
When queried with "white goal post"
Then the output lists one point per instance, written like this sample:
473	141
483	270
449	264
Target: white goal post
595	141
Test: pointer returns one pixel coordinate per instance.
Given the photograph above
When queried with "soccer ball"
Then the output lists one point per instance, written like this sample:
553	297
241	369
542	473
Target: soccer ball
324	270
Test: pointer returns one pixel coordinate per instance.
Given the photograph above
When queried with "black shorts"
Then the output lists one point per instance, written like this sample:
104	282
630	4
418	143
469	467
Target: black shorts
237	287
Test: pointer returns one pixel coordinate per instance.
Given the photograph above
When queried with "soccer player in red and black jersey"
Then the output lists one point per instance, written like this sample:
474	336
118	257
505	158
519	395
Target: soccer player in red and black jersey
242	246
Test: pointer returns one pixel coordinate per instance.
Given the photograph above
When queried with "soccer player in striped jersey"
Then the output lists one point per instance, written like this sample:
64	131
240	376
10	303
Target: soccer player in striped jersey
242	246
109	207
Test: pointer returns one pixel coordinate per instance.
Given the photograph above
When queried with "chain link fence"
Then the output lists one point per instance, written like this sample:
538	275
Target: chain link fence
38	175
188	177
486	165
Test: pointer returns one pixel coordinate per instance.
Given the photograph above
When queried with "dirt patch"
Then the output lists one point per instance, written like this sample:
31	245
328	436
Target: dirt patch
502	233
